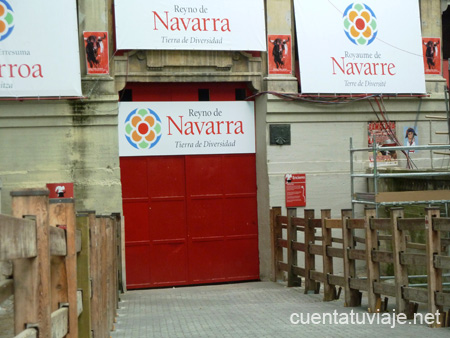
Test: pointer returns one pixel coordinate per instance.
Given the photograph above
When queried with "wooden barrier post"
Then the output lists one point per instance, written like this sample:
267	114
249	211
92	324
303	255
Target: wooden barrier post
329	291
310	260
62	214
434	275
32	276
95	273
373	268
83	274
293	279
352	297
400	271
103	278
276	232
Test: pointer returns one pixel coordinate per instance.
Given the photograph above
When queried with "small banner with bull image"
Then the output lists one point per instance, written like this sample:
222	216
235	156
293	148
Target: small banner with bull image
96	47
432	55
280	54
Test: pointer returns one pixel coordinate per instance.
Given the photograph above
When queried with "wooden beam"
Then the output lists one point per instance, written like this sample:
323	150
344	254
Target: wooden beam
60	323
276	235
318	276
299	271
292	279
352	297
333	223
413	259
442	262
58	245
282	243
415	224
17	238
373	268
32	276
329	291
79	302
356	223
310	259
359	284
336	280
441	224
298	246
315	249
335	252
415	295
380	224
379	256
357	254
442	299
384	289
29	333
6	289
83	276
78	241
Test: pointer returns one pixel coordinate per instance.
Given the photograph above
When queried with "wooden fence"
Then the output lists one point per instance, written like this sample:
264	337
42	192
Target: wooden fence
65	267
349	248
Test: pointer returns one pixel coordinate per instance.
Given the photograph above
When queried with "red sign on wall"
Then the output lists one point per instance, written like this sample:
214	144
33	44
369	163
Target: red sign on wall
60	190
295	187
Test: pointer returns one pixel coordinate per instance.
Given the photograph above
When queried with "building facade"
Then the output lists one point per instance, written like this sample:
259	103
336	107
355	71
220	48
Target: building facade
205	216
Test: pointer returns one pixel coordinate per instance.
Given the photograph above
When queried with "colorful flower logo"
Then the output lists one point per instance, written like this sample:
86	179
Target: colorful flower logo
360	24
143	128
6	19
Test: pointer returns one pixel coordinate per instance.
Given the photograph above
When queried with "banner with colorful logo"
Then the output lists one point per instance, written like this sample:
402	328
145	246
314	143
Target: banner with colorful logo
186	128
96	49
371	46
190	24
39	54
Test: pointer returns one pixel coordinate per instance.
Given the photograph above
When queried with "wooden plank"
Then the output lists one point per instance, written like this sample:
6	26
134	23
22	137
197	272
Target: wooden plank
276	235
384	289
282	220
356	223
95	273
29	333
415	295
310	259
441	262
292	279
352	297
380	224
60	323
32	276
336	280
442	299
335	223
111	273
78	241
79	302
379	256
283	266
315	249
360	240
83	276
58	245
6	289
414	224
315	223
298	246
318	276
103	278
400	270
299	271
373	268
414	259
416	246
17	238
329	291
299	222
62	211
434	276
441	224
359	284
282	243
357	254
335	252
337	240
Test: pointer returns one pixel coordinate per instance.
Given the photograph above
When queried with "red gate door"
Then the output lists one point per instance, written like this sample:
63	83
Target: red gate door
190	219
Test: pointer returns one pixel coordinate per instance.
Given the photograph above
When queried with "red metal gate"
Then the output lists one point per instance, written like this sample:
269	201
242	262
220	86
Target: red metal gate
189	219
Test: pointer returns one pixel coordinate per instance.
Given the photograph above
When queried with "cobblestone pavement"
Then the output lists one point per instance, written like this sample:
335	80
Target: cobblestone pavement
258	309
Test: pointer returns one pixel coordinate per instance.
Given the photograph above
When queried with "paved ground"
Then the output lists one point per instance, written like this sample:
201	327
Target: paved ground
259	309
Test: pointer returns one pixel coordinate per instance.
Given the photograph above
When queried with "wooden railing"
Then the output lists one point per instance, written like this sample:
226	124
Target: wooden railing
65	267
349	247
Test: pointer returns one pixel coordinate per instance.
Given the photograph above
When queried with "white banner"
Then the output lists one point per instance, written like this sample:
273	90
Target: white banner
372	46
186	128
190	24
39	54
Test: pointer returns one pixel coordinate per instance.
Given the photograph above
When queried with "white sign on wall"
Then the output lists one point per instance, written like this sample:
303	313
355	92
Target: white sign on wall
370	46
186	128
39	54
190	24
